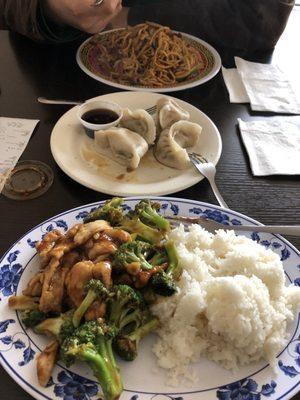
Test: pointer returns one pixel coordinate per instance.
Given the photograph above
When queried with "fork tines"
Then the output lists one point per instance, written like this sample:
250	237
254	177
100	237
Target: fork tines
151	110
197	158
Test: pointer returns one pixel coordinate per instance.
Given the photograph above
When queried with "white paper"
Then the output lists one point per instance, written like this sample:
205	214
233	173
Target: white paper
268	87
235	86
14	136
273	145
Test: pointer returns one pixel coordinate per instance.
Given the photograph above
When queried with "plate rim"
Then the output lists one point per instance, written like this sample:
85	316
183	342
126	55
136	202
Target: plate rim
34	391
107	190
209	76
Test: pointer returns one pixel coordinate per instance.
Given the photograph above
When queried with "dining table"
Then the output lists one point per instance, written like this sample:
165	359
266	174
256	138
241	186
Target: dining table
29	70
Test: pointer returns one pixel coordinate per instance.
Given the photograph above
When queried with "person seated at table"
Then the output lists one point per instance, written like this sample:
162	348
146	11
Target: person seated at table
57	21
236	24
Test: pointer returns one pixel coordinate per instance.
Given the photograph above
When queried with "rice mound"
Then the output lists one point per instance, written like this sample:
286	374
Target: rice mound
232	305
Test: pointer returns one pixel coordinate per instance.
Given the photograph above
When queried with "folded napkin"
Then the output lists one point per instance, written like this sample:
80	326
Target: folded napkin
14	136
265	86
236	89
273	145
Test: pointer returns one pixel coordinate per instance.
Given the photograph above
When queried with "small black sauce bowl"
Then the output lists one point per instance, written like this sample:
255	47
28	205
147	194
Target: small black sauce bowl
94	105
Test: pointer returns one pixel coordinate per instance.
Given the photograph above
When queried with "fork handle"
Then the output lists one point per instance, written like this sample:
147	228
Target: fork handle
281	229
57	101
220	199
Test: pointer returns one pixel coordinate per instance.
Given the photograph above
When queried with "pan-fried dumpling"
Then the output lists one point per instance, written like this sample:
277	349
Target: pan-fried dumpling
141	122
169	112
171	145
122	145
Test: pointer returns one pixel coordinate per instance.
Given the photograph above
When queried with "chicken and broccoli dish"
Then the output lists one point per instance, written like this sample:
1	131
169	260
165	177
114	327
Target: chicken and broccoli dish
108	282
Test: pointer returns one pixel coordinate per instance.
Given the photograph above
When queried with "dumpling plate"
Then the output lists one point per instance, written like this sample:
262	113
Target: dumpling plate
74	154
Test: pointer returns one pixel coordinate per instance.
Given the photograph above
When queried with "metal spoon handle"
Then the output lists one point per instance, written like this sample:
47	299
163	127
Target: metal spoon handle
281	229
57	101
212	225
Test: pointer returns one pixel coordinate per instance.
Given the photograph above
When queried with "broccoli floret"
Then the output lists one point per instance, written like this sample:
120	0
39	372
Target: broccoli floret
133	224
129	313
111	211
160	257
164	282
146	211
31	318
122	305
92	343
133	252
145	222
95	289
60	327
126	344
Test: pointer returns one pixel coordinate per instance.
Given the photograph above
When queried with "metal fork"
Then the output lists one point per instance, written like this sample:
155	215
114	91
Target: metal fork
44	100
151	110
212	226
208	170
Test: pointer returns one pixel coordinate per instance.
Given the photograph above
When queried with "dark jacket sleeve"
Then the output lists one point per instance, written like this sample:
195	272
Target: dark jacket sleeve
20	16
30	18
236	24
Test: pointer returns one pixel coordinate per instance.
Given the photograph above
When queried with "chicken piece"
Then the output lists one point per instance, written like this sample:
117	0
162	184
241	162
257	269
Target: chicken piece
81	274
54	275
54	282
53	287
78	277
34	287
43	248
102	257
86	231
55	244
133	268
65	243
95	311
46	361
118	235
23	302
143	277
102	244
49	272
70	259
101	247
102	270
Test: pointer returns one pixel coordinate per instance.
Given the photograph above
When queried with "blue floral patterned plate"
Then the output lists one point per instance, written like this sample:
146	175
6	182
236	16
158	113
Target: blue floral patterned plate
142	379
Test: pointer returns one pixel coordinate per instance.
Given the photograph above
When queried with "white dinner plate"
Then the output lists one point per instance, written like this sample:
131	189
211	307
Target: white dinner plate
142	379
87	61
73	151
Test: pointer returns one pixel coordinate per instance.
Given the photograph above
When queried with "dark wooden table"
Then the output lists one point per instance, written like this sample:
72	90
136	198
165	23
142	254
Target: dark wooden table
29	70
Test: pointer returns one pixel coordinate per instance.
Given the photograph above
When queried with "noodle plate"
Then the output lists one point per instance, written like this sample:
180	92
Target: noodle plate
146	55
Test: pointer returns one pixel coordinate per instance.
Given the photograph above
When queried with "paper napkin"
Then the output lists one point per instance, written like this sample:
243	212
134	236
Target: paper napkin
235	86
14	136
265	85
273	145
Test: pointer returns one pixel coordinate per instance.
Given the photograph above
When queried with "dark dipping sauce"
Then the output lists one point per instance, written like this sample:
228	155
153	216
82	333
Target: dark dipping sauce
100	116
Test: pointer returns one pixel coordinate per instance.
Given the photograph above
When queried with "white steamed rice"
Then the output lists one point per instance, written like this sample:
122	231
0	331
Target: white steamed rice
232	305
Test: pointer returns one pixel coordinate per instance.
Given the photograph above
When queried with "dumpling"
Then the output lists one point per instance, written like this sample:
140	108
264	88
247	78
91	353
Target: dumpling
122	145
169	112
171	145
141	122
